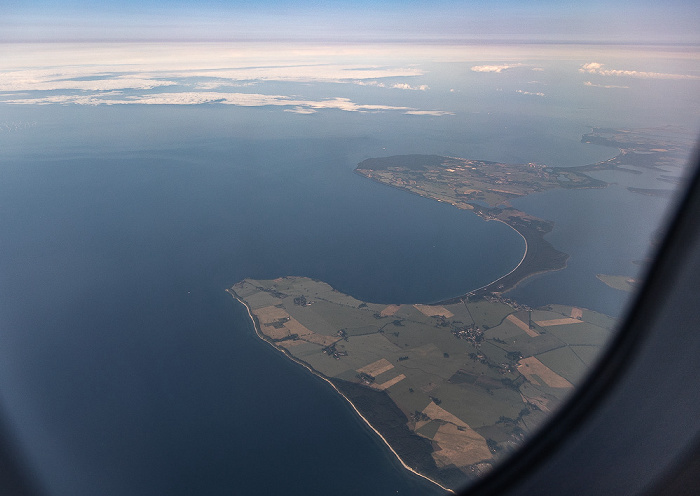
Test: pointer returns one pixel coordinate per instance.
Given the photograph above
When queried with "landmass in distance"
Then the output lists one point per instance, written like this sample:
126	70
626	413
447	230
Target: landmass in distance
485	187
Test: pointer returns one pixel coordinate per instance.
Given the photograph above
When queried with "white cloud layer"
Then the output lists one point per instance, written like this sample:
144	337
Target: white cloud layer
51	80
150	75
437	113
215	85
98	79
588	83
238	99
597	68
523	92
494	68
398	86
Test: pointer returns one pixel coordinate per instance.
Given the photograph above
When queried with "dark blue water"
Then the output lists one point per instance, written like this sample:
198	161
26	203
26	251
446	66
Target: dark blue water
126	368
605	231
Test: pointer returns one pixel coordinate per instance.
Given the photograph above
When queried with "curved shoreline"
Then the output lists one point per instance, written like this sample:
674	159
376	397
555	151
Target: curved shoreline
535	247
260	335
495	281
534	242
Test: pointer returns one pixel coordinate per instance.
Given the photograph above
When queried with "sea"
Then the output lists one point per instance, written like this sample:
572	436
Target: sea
125	367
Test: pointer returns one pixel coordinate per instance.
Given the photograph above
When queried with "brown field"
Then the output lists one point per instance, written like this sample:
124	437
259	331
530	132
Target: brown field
459	447
553	322
437	413
273	333
296	327
390	310
289	343
576	313
389	383
376	368
270	314
515	320
320	339
434	310
531	366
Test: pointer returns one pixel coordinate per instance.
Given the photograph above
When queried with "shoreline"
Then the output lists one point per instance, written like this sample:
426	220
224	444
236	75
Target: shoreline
474	291
535	247
261	336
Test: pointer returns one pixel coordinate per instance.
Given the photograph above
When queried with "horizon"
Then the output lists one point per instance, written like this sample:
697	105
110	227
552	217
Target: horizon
389	21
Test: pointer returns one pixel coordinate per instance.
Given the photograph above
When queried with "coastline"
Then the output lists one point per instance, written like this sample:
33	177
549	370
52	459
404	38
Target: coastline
260	335
539	257
536	249
495	281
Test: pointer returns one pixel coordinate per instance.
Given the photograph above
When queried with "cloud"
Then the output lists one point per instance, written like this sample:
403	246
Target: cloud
588	83
404	86
304	73
437	113
494	68
237	99
51	81
539	69
121	76
522	92
132	76
398	86
215	85
597	68
301	110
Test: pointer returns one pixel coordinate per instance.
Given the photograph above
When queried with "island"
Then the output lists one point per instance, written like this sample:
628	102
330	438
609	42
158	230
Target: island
453	387
621	283
485	188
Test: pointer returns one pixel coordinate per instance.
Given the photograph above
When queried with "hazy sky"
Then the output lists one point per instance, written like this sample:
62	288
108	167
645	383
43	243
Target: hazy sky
541	20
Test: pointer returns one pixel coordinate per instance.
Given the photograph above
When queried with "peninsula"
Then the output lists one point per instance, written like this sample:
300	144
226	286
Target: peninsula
451	388
486	188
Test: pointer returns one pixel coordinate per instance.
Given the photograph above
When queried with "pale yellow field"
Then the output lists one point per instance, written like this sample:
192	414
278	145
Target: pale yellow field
437	413
531	366
553	322
432	311
576	313
390	310
376	368
459	447
515	320
267	315
389	383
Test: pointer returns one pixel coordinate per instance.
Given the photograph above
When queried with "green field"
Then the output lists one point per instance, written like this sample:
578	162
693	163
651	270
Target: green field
453	371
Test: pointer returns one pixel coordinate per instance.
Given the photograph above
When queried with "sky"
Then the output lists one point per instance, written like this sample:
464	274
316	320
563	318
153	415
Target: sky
673	21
